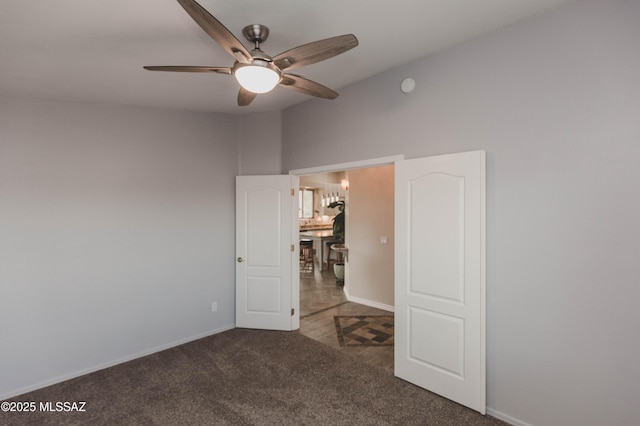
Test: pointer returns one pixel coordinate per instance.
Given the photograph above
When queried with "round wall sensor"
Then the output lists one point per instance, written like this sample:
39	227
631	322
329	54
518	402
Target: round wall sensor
407	86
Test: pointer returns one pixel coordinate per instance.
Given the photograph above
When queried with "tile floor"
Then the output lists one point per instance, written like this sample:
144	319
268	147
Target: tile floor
320	300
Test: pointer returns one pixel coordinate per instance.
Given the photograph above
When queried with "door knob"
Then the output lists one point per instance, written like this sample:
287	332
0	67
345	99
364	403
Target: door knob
240	259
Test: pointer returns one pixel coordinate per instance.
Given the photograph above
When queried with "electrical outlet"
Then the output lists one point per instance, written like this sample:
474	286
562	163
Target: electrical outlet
214	306
383	239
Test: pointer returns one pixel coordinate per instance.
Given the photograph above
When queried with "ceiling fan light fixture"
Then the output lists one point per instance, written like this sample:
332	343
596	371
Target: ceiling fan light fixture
258	77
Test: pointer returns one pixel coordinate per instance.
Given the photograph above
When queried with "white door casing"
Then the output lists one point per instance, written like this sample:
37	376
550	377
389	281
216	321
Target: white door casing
440	275
264	254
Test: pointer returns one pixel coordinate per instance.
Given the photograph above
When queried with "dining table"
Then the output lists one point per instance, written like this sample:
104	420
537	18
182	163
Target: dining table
319	238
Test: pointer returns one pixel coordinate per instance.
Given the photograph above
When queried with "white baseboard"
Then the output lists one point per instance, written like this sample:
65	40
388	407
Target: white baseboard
506	418
108	364
370	303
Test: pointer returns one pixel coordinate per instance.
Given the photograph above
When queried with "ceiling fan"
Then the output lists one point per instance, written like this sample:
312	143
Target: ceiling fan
256	71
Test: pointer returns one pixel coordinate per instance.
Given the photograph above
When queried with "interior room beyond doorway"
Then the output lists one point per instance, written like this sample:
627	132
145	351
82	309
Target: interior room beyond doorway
369	276
368	194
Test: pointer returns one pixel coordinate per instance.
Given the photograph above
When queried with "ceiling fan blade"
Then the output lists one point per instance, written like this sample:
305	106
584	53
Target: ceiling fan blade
308	87
184	68
245	97
316	51
216	30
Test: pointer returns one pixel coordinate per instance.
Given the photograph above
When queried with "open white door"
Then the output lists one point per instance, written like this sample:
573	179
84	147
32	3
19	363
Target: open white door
265	252
440	275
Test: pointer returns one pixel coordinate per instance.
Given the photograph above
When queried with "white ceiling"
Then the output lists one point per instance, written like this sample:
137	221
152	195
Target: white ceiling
93	51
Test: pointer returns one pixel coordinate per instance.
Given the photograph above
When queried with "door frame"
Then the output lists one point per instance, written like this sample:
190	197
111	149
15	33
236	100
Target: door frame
361	164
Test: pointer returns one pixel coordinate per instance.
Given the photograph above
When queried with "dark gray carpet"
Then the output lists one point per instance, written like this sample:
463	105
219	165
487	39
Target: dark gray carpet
245	377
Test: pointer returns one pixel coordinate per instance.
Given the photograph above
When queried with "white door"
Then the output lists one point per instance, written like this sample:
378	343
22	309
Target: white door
265	252
440	275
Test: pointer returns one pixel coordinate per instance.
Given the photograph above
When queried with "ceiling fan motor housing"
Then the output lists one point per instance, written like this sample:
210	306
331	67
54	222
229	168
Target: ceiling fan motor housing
256	33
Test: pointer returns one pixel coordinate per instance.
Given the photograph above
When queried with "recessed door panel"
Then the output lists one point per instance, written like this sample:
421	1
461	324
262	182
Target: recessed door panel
437	245
437	341
264	229
264	295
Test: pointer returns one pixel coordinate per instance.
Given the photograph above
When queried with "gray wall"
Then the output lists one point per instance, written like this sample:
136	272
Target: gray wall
555	102
259	143
116	234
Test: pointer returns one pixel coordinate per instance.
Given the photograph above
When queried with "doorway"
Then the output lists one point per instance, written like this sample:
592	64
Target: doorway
368	194
369	281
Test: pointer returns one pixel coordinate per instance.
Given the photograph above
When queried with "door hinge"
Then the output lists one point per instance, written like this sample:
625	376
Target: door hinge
293	192
293	248
293	311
